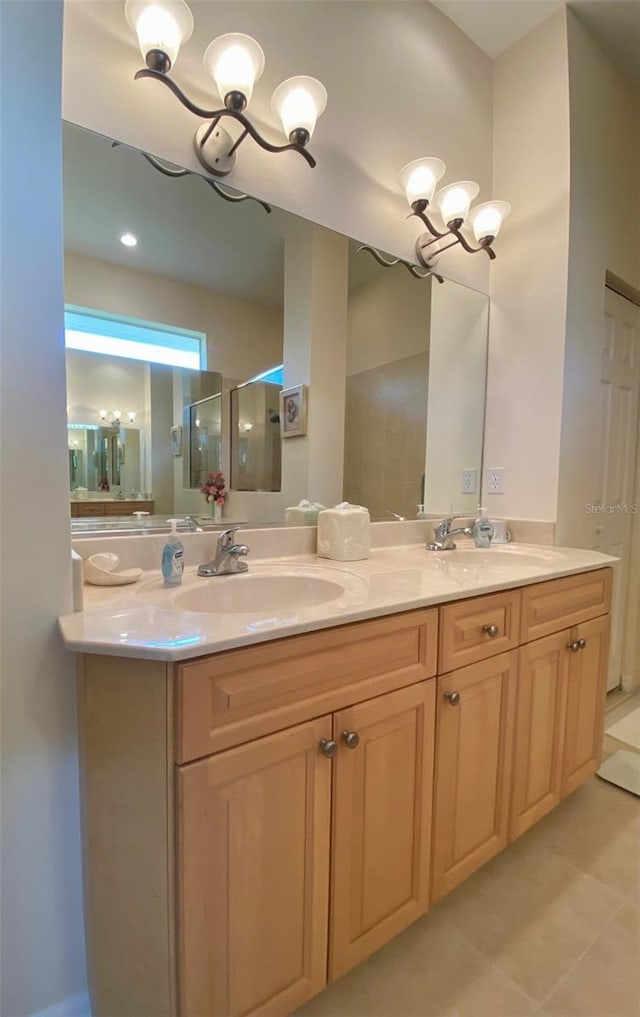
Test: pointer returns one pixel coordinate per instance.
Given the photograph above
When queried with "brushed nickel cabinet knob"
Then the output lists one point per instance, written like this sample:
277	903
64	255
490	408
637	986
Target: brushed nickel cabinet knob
453	697
574	646
351	739
328	747
491	630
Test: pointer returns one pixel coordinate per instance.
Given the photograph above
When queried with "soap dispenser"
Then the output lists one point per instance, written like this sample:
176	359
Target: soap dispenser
173	557
482	529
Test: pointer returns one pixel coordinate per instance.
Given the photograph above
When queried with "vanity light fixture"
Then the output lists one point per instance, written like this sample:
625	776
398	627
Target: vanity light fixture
418	180
235	62
114	417
129	240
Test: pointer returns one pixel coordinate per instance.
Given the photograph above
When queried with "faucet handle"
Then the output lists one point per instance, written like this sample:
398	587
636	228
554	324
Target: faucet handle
227	537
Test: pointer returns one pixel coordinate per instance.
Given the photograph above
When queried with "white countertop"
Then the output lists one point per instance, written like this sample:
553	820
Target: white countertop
141	620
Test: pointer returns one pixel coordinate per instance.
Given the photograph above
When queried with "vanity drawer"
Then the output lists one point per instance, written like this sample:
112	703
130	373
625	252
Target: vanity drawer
90	508
127	508
472	630
560	603
243	694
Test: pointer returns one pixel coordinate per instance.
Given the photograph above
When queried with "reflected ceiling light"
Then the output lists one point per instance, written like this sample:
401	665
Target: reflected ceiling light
129	240
235	62
418	179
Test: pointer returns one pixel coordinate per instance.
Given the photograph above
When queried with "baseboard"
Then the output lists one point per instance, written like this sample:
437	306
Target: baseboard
73	1006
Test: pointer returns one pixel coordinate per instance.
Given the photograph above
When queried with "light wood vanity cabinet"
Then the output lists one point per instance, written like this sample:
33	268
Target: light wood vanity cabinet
95	507
253	875
259	821
381	848
474	744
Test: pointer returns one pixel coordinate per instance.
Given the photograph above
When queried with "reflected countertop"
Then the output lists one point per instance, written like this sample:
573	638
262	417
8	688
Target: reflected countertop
143	620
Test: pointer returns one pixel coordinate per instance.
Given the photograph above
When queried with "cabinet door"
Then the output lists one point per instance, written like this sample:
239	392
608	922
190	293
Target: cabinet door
381	821
474	735
539	730
253	876
586	693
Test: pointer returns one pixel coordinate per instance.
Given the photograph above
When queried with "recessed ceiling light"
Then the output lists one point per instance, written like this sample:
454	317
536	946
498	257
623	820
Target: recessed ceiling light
129	240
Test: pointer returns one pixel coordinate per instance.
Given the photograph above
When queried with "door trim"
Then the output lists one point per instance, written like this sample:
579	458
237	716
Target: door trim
624	289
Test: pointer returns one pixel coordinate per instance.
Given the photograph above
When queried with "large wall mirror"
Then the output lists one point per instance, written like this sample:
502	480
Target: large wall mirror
394	368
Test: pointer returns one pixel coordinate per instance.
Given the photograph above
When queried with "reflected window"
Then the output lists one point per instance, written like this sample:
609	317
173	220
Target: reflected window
133	339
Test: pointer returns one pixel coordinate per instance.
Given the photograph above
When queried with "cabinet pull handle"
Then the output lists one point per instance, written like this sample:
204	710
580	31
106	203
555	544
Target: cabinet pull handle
491	630
583	643
453	697
328	747
574	646
351	739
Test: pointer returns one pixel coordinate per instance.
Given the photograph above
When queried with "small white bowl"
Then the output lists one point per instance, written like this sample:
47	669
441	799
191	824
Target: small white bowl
99	570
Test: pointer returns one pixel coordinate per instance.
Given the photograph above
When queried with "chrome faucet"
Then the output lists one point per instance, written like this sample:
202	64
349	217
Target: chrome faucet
193	524
228	554
443	535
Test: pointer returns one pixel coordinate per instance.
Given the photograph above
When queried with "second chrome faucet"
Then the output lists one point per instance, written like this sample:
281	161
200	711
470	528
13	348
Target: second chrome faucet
228	559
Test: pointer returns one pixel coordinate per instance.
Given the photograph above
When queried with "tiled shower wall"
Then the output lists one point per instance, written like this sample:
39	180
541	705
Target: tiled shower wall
385	436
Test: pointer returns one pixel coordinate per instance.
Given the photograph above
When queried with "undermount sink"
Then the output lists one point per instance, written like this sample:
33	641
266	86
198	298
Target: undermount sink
270	589
255	594
492	556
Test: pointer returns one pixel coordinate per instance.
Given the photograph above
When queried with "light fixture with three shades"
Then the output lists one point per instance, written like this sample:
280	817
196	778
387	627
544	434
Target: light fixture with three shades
418	179
235	62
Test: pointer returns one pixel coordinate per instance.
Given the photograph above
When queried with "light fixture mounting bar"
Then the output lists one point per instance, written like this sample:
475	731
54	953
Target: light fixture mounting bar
175	172
416	272
226	159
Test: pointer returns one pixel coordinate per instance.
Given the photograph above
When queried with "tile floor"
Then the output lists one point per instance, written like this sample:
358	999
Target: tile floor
549	927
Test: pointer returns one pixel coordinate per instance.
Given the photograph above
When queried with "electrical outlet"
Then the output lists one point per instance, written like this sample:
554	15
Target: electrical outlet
469	481
495	480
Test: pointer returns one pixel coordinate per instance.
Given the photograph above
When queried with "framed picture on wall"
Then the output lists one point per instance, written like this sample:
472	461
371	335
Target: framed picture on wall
176	440
293	411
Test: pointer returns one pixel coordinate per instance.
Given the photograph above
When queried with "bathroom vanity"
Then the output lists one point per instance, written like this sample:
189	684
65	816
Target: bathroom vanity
259	820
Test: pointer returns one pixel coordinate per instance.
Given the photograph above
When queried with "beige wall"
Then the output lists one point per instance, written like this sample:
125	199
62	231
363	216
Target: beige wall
95	383
457	372
388	320
243	338
605	234
42	957
529	277
385	436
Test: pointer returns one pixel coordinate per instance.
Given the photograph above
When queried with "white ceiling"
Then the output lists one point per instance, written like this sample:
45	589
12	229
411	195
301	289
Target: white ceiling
494	25
185	231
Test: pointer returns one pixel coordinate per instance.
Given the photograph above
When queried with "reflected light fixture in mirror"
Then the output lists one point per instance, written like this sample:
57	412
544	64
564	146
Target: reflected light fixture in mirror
235	62
114	418
418	180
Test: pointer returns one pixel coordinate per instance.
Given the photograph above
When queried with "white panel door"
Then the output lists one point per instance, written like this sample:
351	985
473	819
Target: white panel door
617	454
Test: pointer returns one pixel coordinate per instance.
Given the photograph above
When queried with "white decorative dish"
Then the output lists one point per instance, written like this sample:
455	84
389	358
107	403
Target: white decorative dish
100	570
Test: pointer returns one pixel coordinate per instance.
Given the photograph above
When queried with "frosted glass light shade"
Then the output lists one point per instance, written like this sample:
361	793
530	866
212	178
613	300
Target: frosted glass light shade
235	62
418	179
453	200
160	26
299	101
487	218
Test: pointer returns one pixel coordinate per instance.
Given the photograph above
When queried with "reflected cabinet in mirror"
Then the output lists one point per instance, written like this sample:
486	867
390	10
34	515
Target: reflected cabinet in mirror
213	311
